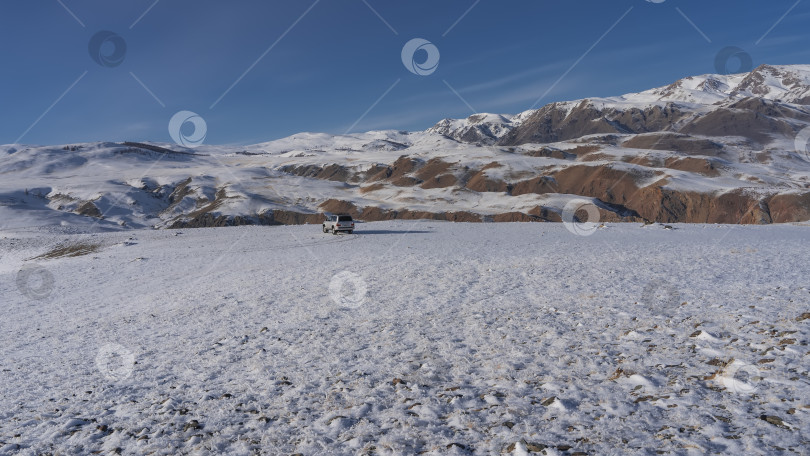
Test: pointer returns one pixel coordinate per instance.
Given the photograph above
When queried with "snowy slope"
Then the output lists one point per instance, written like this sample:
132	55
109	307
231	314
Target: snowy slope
715	135
453	339
133	188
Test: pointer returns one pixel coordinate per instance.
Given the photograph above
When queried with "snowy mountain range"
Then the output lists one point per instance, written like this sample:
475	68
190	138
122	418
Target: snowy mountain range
705	149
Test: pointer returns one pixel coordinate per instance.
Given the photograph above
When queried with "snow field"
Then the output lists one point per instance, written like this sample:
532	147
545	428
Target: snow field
405	338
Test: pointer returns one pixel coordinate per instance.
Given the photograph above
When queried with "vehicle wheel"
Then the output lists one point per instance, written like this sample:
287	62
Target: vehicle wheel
324	229
334	231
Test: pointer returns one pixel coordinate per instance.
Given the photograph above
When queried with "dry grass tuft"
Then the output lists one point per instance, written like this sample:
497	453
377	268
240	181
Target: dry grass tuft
69	251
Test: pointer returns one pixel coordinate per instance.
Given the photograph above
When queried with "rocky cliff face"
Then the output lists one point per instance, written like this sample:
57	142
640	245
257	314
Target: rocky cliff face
562	122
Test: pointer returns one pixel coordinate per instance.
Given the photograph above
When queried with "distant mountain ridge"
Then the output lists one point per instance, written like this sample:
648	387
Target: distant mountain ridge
780	84
704	149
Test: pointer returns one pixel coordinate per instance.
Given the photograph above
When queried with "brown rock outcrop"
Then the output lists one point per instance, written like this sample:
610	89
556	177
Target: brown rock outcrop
789	207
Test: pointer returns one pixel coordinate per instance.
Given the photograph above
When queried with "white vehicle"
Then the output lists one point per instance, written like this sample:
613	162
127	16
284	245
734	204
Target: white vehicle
337	223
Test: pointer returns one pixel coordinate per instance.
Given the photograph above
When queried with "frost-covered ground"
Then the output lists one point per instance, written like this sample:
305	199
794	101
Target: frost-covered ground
439	338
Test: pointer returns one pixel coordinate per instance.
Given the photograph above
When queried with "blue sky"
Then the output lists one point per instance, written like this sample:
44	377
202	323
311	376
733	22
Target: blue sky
342	59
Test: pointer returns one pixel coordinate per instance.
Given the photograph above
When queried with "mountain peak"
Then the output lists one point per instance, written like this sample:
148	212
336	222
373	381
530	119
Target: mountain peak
484	128
477	128
784	83
789	84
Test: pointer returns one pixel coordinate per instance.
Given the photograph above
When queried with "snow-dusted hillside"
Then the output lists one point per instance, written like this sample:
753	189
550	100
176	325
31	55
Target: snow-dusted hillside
438	338
710	149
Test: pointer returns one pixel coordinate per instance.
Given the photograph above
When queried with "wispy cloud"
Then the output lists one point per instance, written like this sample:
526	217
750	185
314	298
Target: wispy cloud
446	105
524	95
511	78
508	94
784	40
524	78
414	118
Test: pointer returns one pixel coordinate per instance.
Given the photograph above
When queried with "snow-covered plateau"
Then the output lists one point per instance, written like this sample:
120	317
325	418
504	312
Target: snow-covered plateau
408	337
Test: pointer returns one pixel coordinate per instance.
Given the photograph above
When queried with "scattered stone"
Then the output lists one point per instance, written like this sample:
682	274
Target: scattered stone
523	445
535	447
193	424
397	381
775	420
